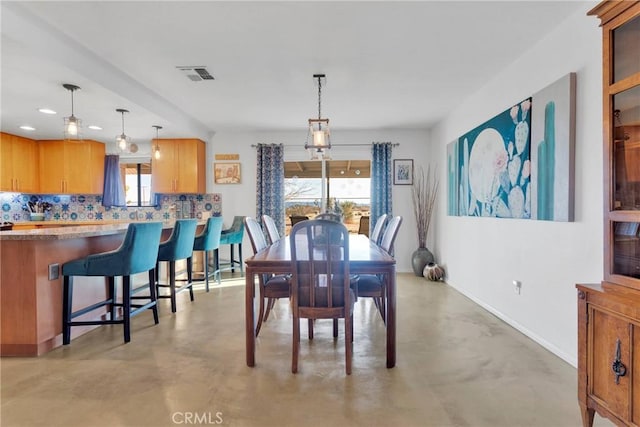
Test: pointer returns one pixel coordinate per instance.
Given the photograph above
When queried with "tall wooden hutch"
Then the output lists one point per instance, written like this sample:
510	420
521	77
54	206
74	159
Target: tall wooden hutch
609	312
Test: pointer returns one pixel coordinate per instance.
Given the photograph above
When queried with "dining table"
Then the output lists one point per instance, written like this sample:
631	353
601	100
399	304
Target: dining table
365	257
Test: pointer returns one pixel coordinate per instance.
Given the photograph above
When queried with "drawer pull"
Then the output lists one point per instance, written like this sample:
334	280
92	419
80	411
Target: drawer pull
617	366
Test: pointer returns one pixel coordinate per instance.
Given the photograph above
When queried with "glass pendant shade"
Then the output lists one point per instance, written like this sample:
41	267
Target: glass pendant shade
156	146
72	124
123	142
319	135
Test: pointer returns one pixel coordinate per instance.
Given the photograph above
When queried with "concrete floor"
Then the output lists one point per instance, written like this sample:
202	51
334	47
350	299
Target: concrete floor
457	365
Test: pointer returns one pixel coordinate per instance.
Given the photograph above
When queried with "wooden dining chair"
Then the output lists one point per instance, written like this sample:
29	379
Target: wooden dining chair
372	285
320	285
329	216
272	228
376	234
271	286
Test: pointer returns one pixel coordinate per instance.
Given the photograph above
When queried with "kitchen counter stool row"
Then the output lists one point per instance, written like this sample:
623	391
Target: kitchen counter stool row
141	251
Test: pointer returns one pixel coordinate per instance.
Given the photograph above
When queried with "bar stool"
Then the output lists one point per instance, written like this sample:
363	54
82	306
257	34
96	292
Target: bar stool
178	246
233	236
209	240
136	254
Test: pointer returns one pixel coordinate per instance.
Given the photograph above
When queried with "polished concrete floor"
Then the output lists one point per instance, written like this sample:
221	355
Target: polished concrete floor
457	365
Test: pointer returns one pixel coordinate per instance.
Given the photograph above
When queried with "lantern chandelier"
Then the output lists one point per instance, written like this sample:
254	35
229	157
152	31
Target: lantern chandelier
319	136
72	124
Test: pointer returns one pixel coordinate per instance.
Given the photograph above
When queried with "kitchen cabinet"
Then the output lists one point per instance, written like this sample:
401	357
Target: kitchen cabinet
71	167
180	168
609	312
18	164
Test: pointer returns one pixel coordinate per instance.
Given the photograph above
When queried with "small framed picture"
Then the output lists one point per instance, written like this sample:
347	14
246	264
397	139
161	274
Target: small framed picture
403	172
226	173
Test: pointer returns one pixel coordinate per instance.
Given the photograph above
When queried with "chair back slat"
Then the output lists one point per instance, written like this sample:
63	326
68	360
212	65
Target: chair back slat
272	228
256	235
376	234
390	233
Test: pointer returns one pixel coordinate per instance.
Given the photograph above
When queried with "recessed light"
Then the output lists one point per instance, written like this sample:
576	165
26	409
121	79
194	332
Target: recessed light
47	111
94	127
25	127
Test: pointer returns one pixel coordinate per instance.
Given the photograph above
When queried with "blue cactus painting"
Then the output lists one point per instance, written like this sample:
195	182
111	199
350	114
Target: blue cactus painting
552	152
494	168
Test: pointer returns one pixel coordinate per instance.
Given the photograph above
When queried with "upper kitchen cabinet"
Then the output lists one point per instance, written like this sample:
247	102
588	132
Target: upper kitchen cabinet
18	164
180	168
71	167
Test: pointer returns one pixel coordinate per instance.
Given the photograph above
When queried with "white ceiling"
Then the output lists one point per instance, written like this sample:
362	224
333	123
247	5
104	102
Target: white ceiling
388	64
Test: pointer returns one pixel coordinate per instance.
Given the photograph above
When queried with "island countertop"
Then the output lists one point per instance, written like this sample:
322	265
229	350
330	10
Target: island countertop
65	231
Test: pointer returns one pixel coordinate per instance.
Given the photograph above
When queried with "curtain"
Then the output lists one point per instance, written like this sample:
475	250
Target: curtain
381	202
113	193
270	183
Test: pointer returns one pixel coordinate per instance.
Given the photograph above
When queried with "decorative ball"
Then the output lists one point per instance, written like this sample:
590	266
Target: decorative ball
433	272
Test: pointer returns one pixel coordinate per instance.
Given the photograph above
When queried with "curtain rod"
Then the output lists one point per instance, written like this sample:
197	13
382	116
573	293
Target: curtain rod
395	144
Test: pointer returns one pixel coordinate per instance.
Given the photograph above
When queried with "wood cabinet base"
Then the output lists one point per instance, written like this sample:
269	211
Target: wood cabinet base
31	304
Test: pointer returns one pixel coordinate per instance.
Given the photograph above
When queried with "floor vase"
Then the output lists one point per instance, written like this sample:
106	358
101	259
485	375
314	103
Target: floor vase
420	258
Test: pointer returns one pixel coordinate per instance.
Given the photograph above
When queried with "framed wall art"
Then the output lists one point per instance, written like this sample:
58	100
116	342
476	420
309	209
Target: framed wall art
226	173
402	171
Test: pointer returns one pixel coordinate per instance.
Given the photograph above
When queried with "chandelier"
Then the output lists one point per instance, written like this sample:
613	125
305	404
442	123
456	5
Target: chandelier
72	124
319	135
123	142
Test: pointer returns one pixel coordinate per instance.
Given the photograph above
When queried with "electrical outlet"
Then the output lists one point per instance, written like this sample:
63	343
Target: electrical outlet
517	286
54	271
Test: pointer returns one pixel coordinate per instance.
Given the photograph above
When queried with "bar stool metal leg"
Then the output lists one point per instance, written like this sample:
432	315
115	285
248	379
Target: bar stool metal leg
66	309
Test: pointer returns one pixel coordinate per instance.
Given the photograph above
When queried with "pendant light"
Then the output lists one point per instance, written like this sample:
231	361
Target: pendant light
319	136
123	141
156	146
72	124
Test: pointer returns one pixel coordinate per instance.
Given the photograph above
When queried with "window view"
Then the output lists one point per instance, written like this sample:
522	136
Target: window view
137	183
347	187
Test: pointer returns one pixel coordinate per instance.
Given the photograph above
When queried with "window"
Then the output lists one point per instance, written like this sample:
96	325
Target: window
137	183
348	186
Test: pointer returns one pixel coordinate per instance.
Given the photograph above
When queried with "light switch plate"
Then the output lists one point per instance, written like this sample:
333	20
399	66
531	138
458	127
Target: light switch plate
54	271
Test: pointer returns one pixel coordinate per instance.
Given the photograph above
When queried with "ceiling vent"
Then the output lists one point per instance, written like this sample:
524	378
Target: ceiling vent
196	73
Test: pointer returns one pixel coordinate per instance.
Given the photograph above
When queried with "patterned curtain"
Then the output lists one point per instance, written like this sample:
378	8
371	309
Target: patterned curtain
113	192
380	181
270	185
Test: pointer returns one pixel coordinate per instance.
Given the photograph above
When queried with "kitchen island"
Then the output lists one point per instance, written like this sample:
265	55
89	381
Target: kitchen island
31	282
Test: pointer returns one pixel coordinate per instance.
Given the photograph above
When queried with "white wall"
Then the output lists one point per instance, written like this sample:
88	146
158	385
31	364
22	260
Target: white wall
483	256
241	199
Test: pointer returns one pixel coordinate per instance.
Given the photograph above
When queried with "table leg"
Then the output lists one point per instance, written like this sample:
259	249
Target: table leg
391	318
250	317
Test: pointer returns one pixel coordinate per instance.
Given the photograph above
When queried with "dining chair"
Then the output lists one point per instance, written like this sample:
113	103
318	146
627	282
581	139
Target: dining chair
209	240
363	226
372	285
177	247
376	234
272	228
297	218
136	254
271	286
320	285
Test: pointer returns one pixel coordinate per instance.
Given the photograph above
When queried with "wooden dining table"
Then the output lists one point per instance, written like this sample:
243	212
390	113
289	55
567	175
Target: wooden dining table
365	257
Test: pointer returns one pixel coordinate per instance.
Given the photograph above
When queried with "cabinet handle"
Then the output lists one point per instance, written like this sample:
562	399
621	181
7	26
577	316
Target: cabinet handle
617	366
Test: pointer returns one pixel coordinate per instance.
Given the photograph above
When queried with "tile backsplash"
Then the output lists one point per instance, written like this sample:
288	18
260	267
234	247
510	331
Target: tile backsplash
80	207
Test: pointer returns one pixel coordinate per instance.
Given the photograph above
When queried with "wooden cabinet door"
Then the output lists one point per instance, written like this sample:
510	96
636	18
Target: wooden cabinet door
52	166
85	167
25	161
18	164
189	169
607	333
96	162
163	170
7	182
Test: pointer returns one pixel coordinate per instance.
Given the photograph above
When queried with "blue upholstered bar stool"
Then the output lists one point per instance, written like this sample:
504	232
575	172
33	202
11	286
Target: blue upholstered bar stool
136	254
178	246
233	236
209	240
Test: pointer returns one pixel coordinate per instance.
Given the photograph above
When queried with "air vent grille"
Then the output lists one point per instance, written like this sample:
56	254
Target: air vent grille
195	73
